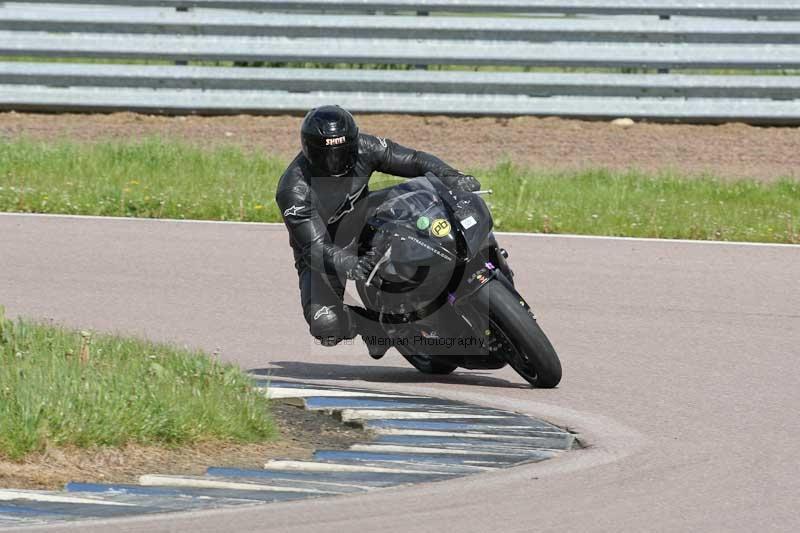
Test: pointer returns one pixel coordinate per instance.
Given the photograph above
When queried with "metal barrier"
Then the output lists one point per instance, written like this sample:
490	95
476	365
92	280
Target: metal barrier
239	32
104	19
711	8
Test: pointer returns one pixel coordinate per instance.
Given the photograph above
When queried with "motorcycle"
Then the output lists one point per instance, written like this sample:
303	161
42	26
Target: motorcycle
442	292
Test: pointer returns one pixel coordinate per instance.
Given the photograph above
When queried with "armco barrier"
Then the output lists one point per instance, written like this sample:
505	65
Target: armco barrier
596	59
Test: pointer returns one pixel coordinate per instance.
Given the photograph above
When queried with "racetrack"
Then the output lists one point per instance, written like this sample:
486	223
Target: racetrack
680	370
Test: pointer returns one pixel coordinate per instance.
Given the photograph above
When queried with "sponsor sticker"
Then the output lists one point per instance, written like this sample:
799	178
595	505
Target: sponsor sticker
440	228
430	248
423	223
469	222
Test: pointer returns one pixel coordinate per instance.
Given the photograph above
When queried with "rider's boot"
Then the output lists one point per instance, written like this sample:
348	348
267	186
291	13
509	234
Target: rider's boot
374	337
371	333
376	351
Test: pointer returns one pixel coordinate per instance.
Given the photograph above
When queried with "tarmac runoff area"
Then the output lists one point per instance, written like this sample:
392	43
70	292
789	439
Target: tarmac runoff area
679	372
418	439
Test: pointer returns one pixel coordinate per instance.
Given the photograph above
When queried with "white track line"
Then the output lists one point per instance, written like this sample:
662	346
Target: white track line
300	466
640	239
467	435
411	462
323	483
279	392
477	426
391	448
463	467
141	219
196	483
9	495
503	233
380	414
7	520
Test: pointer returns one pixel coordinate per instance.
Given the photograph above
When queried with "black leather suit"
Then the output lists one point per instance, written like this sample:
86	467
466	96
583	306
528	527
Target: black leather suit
324	215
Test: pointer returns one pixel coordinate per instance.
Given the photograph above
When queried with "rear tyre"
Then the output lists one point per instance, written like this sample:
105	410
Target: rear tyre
524	344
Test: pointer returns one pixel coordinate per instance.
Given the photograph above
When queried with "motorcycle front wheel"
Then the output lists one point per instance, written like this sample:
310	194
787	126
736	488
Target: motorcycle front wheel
523	343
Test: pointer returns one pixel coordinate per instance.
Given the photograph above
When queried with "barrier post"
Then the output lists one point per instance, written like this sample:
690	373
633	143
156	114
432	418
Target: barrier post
663	70
182	9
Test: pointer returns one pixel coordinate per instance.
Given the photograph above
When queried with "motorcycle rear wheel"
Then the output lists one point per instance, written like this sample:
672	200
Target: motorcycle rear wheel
525	345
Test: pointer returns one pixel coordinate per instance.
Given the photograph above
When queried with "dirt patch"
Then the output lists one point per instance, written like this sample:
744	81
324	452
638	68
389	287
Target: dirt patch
301	433
728	150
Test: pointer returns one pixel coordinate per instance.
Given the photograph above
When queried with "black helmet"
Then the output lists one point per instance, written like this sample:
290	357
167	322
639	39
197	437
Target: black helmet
329	136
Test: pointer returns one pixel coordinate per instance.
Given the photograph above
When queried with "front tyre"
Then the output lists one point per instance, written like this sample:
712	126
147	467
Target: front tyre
524	344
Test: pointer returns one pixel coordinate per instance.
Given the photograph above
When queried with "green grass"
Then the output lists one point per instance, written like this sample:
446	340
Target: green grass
129	391
633	204
149	179
171	180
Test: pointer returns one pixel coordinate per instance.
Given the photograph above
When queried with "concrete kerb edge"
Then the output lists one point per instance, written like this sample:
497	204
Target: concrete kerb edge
500	470
600	439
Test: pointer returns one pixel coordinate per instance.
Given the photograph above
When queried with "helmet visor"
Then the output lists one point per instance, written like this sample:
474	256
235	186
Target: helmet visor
333	160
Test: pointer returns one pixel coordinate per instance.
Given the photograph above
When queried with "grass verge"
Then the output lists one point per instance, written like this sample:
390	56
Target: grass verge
166	179
62	388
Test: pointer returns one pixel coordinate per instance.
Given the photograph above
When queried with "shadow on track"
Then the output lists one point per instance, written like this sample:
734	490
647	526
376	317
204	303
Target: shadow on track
379	374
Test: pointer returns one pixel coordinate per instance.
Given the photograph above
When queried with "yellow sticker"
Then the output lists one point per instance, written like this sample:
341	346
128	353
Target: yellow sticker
440	228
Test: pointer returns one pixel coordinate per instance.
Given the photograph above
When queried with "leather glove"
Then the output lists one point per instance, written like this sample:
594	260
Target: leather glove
359	268
467	183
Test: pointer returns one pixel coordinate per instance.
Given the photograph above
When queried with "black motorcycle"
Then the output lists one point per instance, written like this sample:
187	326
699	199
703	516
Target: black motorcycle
442	292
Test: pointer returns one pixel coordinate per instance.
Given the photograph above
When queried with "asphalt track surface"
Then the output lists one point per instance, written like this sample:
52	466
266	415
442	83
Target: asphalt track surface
680	370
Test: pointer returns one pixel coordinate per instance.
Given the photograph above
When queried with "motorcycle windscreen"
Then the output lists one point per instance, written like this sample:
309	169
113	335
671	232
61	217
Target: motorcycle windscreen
408	201
412	210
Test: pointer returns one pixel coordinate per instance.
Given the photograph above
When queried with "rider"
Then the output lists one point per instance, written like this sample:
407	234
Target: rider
323	189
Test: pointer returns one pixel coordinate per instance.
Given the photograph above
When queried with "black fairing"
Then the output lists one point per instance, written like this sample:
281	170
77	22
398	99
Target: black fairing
469	211
428	197
420	261
395	224
430	273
